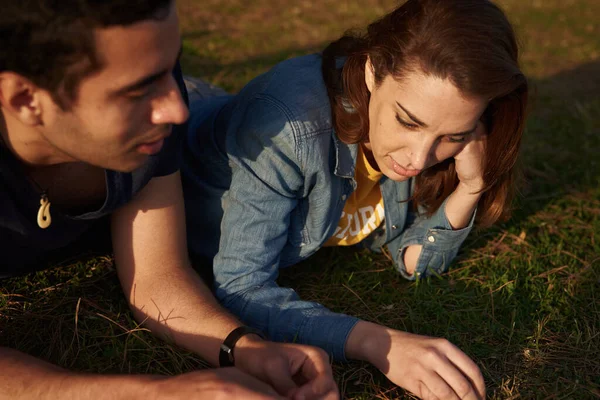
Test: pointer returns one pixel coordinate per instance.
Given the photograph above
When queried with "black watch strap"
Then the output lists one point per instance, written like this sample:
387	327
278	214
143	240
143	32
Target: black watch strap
226	358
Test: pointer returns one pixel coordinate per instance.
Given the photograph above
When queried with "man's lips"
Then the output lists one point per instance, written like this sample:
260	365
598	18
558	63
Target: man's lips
400	170
151	147
154	145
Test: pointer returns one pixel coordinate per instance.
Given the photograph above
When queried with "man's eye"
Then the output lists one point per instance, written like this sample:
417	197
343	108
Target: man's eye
406	124
138	94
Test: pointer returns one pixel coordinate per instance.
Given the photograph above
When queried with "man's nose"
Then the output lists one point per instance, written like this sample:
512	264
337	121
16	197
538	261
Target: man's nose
170	109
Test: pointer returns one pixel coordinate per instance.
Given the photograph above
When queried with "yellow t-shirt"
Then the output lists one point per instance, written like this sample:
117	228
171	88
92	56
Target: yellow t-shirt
363	211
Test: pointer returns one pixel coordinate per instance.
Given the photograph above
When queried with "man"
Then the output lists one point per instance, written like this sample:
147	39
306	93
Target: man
91	99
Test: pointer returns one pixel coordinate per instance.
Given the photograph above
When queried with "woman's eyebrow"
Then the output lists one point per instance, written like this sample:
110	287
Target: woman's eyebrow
412	117
424	125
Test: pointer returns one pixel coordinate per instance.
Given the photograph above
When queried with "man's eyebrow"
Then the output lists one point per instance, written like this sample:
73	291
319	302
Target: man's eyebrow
148	80
424	125
142	83
411	116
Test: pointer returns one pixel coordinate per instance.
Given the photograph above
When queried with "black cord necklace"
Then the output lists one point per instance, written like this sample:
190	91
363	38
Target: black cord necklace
44	219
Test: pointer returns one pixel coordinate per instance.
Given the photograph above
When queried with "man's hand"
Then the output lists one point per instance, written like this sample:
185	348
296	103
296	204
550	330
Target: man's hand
214	384
431	368
25	377
296	371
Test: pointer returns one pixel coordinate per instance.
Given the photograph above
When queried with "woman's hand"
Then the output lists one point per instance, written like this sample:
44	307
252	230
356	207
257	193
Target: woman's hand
429	367
470	161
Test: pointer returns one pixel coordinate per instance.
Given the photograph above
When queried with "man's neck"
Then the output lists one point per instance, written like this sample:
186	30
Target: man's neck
28	144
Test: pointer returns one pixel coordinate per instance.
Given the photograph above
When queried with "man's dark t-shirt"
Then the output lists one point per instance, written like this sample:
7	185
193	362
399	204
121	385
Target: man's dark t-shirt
26	247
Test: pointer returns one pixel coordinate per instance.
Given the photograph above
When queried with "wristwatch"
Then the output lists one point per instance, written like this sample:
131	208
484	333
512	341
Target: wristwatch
226	358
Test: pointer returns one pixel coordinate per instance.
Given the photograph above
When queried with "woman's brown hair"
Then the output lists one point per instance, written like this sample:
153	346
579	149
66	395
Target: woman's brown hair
469	42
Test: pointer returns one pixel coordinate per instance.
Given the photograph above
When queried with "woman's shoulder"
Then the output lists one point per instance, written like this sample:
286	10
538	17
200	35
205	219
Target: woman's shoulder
296	89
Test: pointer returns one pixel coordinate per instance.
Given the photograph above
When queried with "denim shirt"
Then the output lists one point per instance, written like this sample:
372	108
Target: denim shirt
265	182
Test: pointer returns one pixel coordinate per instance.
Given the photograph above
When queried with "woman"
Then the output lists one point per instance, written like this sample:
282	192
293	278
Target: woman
402	137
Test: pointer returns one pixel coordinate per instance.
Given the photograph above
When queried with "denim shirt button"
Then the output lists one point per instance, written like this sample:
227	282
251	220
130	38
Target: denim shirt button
344	197
394	227
431	239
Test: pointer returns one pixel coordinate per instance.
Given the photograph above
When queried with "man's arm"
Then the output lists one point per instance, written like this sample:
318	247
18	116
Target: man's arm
26	377
151	257
168	296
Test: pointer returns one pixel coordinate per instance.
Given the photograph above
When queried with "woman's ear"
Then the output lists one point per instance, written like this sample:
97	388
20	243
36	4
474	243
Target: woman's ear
369	75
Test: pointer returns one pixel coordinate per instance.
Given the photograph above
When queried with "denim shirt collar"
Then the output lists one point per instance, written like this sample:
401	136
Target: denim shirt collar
345	158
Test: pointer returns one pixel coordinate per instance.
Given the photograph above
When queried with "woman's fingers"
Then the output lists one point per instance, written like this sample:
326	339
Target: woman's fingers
463	365
434	387
459	383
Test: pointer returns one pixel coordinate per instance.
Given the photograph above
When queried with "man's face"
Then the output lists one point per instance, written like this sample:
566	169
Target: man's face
123	112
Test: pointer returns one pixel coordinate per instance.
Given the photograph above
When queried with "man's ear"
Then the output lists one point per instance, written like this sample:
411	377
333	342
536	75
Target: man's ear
21	98
369	75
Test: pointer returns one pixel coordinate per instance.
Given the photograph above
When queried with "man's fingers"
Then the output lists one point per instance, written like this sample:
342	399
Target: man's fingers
316	364
278	373
314	376
323	387
256	388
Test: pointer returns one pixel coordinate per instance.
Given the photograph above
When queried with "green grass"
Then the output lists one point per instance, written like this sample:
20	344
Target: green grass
523	299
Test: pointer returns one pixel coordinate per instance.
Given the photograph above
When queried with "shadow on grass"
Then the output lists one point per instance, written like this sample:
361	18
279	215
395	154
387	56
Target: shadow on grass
562	143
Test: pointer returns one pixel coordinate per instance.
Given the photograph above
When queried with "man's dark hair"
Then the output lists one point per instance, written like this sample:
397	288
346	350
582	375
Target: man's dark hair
51	42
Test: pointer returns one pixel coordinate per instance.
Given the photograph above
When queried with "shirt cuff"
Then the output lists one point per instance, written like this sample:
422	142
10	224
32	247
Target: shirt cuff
440	245
329	332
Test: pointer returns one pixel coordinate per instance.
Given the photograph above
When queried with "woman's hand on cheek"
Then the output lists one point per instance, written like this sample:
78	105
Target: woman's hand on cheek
470	161
431	368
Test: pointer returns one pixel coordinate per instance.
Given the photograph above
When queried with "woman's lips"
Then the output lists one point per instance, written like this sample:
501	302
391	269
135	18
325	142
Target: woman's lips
400	170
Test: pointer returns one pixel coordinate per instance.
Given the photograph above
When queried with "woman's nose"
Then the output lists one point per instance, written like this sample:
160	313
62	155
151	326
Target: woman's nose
420	154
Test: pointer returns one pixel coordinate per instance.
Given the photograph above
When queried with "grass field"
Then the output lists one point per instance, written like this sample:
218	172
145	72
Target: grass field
522	299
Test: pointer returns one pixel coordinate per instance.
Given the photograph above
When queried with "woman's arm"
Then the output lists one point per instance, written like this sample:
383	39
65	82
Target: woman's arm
431	244
431	368
267	181
459	210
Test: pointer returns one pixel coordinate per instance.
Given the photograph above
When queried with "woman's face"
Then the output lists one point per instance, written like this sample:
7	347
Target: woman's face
417	122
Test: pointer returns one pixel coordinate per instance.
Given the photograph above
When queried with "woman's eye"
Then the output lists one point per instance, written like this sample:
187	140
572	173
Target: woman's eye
460	139
405	124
